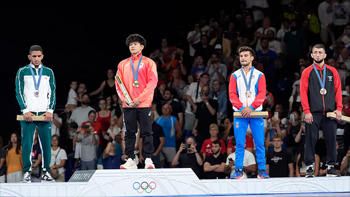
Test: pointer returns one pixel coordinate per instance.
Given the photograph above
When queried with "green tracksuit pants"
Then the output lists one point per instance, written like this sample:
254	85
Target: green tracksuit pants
44	138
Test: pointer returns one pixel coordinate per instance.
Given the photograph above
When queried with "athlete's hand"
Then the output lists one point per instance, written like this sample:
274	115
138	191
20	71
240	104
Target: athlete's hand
135	103
339	114
246	112
309	118
28	116
48	116
126	103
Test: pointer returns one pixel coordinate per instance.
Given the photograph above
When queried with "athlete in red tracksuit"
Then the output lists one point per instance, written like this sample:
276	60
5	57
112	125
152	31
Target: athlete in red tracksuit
139	75
320	91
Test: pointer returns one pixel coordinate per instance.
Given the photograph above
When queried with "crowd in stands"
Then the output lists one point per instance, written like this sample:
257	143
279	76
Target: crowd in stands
191	112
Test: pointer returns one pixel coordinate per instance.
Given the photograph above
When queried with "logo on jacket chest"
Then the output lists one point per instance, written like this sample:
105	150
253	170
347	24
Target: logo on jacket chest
330	78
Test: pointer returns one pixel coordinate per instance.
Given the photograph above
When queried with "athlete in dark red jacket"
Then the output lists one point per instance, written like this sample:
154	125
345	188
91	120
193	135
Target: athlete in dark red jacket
320	91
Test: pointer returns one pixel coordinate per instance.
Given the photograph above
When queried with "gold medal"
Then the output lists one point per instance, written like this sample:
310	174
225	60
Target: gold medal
136	84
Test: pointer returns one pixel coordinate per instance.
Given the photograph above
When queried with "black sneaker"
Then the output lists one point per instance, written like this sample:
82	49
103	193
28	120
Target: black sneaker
310	172
46	177
332	172
27	178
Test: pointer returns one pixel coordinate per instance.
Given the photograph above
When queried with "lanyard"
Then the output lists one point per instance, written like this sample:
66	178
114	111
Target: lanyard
247	85
322	83
36	85
133	70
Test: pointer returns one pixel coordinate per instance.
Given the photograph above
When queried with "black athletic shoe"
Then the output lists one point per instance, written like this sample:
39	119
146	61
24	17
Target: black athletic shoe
310	172
332	172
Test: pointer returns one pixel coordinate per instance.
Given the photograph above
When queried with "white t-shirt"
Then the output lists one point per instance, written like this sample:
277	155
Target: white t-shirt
71	97
325	18
214	76
61	155
114	130
291	99
194	41
192	90
281	32
263	31
80	115
54	129
258	14
248	160
340	13
346	40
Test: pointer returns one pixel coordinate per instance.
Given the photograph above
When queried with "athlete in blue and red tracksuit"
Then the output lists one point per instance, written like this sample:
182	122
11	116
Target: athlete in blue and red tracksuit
247	91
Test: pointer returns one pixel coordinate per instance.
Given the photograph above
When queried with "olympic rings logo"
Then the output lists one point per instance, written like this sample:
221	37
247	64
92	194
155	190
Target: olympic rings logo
144	187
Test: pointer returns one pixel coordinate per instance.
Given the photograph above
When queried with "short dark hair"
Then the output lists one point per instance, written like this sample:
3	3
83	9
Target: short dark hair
135	38
216	142
85	94
246	48
91	111
318	46
58	139
169	89
203	74
35	48
193	138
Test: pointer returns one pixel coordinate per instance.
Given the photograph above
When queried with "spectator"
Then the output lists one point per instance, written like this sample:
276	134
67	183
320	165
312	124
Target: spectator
216	70
72	129
300	137
192	96
204	26
206	149
340	16
176	62
248	29
203	48
199	66
167	50
293	129
269	59
14	159
114	129
249	163
300	167
225	130
294	100
346	102
58	159
294	43
113	153
214	164
88	148
258	7
107	87
80	114
274	45
103	117
96	130
36	159
221	96
158	143
176	107
109	103
72	98
80	93
262	31
177	83
279	163
194	37
205	116
224	42
325	15
159	92
2	162
345	165
57	124
172	131
284	29
190	158
232	34
276	129
249	144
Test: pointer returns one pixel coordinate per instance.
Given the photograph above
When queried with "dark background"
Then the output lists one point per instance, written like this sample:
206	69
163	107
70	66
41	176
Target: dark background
82	43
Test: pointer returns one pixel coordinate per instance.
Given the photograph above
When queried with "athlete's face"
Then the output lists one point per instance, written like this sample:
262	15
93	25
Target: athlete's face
245	58
318	54
135	47
35	57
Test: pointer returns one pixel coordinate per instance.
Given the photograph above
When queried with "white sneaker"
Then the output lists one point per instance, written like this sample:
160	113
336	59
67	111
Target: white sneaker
129	165
149	164
27	178
47	178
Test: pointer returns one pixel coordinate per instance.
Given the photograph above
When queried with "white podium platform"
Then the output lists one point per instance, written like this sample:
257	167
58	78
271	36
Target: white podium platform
174	182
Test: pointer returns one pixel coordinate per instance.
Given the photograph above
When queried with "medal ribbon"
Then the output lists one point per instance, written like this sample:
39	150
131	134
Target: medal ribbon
36	85
250	79
133	70
322	83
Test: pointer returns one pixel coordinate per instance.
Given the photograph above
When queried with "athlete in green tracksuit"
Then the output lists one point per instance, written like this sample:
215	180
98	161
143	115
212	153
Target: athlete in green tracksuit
36	95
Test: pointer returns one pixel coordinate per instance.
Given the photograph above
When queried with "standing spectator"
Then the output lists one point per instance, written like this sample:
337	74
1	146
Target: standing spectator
177	83
293	129
14	159
2	162
258	7
294	100
176	62
203	48
107	87
216	70
206	149
103	117
72	97
340	16
274	45
58	159
194	37
112	154
80	93
199	66
36	159
249	164
279	163
57	123
88	148
172	131
96	130
167	50
214	164
262	31
205	116
248	29
325	15
269	59
176	107
284	29
81	113
221	96
224	42
294	43
190	158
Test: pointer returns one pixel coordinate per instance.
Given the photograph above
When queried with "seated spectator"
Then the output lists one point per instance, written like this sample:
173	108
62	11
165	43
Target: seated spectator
220	95
58	160
190	158
158	143
104	117
199	66
72	98
214	164
224	42
113	153
225	129
88	148
176	62
274	45
293	128
107	87
206	149
300	137
166	50
321	159
80	114
216	70
114	129
2	162
109	103
203	48
14	159
249	144
279	163
284	29
36	159
300	168
345	165
281	114
262	31
294	100
177	83
276	129
159	91
249	163
194	37
269	59
173	133
205	116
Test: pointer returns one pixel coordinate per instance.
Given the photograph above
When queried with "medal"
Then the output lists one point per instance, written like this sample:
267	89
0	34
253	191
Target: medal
248	93
36	84
136	83
323	90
